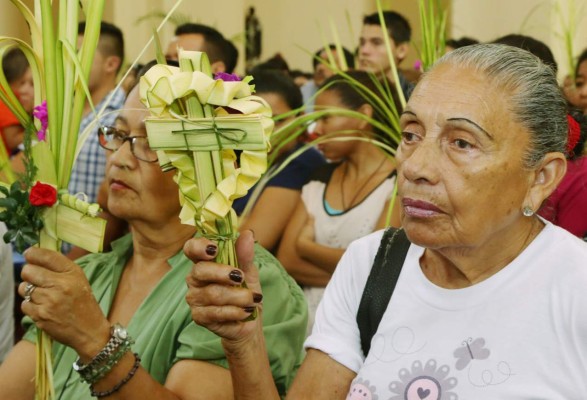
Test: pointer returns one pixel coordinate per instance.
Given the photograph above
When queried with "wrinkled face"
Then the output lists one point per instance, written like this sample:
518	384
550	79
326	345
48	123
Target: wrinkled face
335	124
461	176
581	83
24	89
372	52
138	190
189	41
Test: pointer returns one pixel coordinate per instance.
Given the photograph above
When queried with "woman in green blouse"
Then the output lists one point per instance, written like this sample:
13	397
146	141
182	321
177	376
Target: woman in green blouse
137	291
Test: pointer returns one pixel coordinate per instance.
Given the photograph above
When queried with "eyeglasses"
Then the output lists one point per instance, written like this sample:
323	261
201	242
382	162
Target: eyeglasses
111	138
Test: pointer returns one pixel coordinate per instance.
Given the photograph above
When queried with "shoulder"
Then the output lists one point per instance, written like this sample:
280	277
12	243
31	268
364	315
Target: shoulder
308	161
298	170
324	172
563	244
365	248
562	257
311	157
560	264
118	98
356	262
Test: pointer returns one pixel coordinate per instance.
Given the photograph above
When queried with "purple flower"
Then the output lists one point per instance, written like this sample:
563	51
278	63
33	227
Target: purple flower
223	76
418	65
40	113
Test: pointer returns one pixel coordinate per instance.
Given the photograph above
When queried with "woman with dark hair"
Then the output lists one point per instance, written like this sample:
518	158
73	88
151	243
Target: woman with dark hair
119	320
576	92
20	78
268	207
581	81
346	199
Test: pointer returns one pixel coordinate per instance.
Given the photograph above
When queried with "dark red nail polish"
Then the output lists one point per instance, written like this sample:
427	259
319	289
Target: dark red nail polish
236	276
257	297
211	250
249	309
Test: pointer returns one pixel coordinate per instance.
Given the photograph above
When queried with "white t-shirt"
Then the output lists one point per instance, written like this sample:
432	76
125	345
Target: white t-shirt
520	334
6	297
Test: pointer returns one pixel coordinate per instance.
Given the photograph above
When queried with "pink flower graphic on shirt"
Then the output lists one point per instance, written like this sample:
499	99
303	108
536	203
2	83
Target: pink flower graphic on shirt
428	382
361	390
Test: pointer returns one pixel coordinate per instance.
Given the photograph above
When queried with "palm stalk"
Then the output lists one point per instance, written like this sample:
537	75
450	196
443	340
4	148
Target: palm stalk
433	23
59	74
387	42
568	34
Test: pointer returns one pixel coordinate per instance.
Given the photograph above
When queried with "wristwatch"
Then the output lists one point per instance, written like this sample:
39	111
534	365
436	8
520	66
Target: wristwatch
118	336
119	332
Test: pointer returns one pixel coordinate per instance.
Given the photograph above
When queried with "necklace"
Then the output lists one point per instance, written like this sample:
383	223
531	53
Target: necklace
358	191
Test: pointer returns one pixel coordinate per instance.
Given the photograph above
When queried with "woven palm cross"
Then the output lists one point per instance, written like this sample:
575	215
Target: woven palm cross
198	122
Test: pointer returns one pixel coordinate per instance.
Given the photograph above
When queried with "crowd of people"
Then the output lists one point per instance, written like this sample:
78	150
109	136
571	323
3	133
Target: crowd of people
485	187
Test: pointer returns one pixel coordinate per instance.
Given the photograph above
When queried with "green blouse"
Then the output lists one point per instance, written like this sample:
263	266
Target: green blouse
162	326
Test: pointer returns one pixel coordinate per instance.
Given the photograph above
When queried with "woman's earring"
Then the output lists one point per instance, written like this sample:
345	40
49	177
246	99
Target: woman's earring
527	211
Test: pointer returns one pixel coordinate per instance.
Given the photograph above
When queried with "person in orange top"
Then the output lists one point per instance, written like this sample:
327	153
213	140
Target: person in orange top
19	76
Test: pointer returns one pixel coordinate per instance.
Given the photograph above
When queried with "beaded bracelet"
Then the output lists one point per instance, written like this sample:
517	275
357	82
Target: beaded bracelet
120	384
94	373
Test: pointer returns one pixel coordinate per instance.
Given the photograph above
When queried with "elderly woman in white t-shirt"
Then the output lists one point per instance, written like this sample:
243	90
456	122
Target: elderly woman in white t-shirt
490	301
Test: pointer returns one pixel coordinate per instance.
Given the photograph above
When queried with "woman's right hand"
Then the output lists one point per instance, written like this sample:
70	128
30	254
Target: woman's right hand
215	293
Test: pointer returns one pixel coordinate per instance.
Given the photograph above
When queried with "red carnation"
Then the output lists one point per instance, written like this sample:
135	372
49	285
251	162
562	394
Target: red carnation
43	195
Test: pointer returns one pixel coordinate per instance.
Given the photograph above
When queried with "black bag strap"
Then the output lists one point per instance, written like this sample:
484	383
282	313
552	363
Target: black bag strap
381	283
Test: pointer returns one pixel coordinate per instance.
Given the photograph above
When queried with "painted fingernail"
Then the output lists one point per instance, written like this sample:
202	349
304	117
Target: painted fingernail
236	276
257	297
211	250
249	309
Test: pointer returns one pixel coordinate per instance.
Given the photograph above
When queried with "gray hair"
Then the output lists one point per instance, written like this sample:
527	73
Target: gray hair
532	90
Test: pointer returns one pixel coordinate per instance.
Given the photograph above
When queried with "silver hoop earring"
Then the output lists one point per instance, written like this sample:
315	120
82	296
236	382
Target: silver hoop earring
527	211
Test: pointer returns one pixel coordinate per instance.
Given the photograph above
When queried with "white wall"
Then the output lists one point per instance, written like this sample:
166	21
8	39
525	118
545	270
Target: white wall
225	15
489	19
292	25
12	24
292	28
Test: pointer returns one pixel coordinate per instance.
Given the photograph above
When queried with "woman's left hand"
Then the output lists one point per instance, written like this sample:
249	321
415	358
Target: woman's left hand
62	303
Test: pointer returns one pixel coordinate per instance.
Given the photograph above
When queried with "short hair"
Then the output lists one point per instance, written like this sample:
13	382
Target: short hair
529	86
397	25
582	58
462	42
230	56
276	62
353	97
273	81
534	46
348	56
14	64
215	45
111	42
